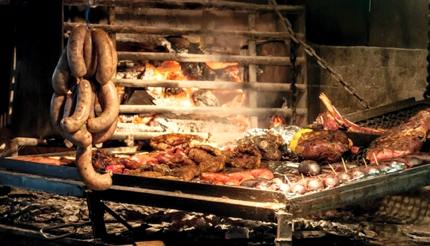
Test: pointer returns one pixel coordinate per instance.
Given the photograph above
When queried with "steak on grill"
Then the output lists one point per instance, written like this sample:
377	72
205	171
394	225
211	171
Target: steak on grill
402	140
322	145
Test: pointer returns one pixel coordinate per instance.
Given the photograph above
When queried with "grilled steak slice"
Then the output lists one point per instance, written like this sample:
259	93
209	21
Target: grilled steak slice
402	140
322	145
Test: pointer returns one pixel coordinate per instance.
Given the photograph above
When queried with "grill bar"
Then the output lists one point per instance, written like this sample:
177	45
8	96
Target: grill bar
207	84
156	56
136	135
189	4
211	111
181	31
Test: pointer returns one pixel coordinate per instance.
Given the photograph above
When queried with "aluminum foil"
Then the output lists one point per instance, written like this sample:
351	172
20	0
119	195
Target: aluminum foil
286	132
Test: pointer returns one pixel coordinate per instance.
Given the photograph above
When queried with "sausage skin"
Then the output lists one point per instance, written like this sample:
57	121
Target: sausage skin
110	102
105	69
91	178
103	136
82	108
61	75
75	51
57	102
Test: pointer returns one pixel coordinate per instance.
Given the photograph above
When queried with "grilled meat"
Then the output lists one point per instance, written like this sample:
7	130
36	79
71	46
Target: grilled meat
322	145
148	174
267	144
171	140
172	157
402	140
333	120
208	158
187	172
244	156
236	178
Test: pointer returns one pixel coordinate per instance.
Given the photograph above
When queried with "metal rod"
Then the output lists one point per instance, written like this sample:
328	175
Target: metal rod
189	4
265	60
211	111
180	31
136	135
207	84
96	210
284	230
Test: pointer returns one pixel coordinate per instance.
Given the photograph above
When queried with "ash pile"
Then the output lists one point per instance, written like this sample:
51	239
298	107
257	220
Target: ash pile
394	220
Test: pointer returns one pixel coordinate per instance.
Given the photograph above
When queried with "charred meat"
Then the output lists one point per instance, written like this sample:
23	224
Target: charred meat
171	140
402	140
243	156
208	158
321	145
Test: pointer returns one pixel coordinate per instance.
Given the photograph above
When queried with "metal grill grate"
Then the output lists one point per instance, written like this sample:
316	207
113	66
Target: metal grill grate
390	115
392	119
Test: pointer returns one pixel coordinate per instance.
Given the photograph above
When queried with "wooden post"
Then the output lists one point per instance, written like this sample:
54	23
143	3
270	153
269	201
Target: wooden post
252	69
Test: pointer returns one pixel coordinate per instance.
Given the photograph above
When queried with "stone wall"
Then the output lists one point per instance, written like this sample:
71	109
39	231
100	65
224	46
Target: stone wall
380	75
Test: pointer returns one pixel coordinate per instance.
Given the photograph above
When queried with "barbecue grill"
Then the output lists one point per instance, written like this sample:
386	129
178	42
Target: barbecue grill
232	201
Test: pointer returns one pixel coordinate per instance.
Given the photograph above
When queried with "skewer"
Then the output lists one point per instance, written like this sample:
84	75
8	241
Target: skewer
332	168
376	160
288	180
322	120
344	165
365	162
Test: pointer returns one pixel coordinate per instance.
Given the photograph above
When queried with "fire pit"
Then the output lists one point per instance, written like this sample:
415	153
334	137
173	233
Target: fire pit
206	80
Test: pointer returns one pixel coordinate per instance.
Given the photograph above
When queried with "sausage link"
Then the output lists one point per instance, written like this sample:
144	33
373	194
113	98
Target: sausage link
89	55
75	51
82	108
114	56
61	75
68	105
92	106
81	137
105	135
110	102
105	68
91	178
57	102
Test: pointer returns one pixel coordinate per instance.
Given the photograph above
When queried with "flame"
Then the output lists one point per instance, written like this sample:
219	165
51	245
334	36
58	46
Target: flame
183	97
168	70
277	121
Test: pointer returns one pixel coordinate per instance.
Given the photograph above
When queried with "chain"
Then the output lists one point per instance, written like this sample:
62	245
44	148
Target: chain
294	92
427	91
312	53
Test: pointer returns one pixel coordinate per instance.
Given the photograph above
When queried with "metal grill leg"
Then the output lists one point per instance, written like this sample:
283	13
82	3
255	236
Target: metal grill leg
96	211
284	232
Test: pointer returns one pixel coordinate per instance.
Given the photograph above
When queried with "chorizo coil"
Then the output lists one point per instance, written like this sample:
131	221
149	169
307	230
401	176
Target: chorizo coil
75	51
61	75
82	109
110	109
105	69
91	178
